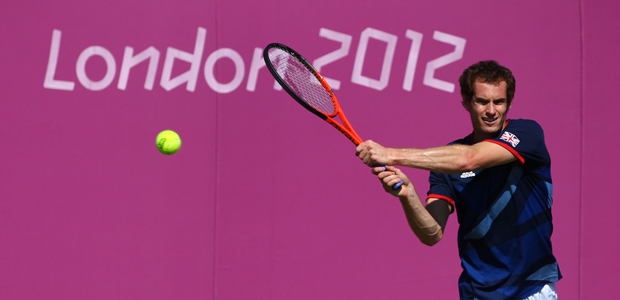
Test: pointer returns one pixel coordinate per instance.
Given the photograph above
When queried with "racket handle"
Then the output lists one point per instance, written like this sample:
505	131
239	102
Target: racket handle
396	186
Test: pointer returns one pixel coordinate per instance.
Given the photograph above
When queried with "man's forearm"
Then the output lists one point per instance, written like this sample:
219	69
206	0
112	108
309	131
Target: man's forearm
421	222
451	159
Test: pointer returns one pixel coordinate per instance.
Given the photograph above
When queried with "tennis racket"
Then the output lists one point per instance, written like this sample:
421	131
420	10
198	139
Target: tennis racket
304	83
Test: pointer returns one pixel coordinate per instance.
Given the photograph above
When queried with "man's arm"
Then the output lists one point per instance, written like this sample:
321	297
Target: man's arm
427	223
451	159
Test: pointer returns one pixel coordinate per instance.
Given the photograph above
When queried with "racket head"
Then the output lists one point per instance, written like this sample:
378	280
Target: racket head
301	80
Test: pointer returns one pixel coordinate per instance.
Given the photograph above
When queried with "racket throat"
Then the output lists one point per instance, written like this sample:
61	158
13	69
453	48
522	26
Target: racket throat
356	140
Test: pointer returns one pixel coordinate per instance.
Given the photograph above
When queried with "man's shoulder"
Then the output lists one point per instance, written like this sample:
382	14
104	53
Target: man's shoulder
523	127
523	123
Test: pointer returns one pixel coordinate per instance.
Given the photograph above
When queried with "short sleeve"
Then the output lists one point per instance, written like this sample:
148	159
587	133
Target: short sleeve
440	188
525	140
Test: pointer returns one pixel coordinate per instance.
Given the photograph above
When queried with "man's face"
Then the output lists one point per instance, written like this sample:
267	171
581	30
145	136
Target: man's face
488	109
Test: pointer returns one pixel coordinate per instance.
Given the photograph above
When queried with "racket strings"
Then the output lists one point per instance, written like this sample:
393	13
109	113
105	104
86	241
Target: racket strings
302	81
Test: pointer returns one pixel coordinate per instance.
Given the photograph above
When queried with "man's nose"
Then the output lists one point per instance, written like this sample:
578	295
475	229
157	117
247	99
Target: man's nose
491	109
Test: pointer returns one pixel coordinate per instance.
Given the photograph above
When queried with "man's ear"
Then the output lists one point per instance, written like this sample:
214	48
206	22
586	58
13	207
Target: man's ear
466	105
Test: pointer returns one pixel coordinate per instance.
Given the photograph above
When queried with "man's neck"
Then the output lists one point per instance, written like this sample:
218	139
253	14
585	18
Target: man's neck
481	136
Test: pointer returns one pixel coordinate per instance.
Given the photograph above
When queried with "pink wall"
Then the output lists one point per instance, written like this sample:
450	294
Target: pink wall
264	201
599	246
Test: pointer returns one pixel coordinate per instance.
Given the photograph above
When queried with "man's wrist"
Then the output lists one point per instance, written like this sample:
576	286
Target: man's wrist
390	156
395	157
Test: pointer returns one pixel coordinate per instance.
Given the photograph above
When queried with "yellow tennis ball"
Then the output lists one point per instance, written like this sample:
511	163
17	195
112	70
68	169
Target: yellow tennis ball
168	142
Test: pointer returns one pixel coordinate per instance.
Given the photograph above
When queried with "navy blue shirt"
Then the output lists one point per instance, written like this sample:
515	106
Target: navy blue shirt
504	216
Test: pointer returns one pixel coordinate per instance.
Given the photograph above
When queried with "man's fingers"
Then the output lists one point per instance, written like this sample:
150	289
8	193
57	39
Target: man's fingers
376	170
387	176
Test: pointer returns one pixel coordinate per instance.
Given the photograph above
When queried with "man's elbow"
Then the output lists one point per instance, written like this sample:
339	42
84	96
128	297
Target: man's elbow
431	240
469	162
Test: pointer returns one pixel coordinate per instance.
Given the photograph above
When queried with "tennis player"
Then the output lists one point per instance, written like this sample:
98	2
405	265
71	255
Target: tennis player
497	179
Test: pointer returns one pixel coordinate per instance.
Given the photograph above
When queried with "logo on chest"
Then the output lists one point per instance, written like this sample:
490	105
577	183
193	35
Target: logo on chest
468	174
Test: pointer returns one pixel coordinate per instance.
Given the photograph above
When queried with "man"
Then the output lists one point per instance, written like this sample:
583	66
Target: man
497	179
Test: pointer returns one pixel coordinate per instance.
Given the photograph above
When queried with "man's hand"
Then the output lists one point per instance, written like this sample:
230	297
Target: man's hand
392	176
373	154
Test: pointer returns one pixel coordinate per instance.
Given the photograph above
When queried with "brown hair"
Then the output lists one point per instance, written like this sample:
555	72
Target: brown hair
488	71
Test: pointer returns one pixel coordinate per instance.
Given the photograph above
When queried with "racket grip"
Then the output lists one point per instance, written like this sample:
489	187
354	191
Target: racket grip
397	185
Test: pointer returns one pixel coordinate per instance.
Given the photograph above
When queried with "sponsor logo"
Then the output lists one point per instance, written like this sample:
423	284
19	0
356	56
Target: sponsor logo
468	174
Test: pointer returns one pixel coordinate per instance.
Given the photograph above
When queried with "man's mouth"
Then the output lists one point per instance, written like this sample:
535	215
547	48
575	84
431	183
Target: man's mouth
489	120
